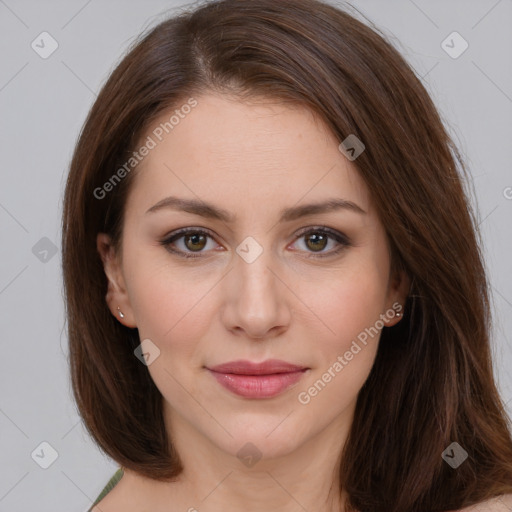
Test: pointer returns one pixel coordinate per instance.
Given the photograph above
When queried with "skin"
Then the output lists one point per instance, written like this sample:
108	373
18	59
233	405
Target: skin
251	159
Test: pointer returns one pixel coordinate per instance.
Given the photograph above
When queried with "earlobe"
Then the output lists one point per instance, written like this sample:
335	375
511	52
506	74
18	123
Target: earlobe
116	296
394	314
398	294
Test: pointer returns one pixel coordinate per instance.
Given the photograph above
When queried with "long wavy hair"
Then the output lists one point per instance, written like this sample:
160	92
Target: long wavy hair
432	381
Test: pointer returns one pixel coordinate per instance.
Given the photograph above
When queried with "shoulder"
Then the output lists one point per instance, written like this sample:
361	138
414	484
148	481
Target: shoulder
501	503
129	492
110	494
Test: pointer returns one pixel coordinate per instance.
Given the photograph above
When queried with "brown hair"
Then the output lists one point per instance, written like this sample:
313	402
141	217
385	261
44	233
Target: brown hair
432	382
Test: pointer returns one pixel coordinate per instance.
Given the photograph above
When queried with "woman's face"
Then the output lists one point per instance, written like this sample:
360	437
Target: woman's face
263	282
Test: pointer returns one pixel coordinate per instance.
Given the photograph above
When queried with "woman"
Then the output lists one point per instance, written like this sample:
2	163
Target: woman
275	292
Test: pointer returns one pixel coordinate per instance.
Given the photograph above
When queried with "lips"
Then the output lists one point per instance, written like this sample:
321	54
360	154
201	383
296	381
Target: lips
257	380
268	367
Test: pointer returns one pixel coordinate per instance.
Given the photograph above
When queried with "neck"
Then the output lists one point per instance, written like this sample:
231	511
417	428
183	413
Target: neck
241	476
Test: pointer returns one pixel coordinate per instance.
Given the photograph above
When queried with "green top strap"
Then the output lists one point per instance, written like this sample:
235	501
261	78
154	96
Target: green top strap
110	485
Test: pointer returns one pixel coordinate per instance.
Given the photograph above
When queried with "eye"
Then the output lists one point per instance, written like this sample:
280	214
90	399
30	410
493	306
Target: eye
317	239
195	240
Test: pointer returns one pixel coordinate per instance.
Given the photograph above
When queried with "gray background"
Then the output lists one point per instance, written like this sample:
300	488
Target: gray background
43	104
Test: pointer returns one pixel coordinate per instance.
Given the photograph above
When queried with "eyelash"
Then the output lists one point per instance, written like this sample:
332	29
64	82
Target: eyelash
338	237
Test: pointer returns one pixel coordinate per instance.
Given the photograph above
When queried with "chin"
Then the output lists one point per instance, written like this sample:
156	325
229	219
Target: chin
260	438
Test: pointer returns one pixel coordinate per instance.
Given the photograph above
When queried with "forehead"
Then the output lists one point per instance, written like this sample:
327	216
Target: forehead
261	153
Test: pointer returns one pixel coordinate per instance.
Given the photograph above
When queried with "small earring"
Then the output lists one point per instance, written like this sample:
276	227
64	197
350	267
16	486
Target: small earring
121	314
397	313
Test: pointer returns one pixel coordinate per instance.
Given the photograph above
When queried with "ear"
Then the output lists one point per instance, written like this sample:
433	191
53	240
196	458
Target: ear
116	296
398	292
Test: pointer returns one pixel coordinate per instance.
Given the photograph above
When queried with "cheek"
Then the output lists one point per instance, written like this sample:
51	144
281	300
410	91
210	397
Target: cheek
350	303
170	310
345	354
168	303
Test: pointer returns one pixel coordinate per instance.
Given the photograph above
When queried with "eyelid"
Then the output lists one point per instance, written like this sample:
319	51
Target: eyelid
334	233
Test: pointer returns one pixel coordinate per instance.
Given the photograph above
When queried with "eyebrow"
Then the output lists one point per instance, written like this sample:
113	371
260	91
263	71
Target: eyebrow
211	211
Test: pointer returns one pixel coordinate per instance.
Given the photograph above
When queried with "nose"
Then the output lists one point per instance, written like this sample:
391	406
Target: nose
256	299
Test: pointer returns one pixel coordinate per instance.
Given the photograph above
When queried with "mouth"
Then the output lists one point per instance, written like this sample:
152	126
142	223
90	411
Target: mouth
258	380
